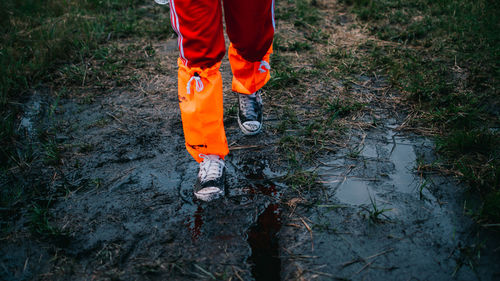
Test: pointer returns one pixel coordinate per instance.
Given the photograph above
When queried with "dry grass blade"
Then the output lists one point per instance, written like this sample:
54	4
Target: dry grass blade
236	273
367	258
205	272
240	147
310	232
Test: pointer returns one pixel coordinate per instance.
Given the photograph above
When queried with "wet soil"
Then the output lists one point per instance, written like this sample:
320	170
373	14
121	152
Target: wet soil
127	212
382	220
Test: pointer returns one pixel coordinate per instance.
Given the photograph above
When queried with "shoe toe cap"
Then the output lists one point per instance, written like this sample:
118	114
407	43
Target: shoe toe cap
252	126
208	193
209	190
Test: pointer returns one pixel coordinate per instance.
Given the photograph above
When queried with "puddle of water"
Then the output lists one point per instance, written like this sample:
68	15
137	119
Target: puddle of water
399	151
369	151
195	223
403	156
263	240
355	192
266	264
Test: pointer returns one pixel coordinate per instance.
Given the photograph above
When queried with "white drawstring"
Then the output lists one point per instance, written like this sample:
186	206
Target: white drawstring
264	64
199	84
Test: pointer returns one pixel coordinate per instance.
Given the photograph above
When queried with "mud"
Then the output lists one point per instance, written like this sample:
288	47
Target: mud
125	207
130	215
128	208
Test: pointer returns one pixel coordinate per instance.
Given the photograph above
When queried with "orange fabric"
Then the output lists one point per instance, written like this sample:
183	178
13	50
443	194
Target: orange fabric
247	77
202	112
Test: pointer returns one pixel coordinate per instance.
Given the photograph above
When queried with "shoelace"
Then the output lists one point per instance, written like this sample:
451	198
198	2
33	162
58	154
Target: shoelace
211	168
264	66
247	105
199	84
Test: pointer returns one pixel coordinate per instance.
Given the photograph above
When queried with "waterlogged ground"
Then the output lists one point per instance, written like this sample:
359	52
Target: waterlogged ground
364	208
379	220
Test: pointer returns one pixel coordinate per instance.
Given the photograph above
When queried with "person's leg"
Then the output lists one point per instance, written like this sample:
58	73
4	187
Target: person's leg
198	24
250	27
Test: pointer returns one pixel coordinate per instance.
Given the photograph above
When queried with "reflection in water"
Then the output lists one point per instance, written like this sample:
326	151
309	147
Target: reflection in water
265	245
195	223
404	158
354	192
263	240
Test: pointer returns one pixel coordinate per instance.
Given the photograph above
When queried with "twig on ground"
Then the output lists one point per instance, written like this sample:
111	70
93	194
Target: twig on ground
364	267
244	147
205	271
114	117
310	232
360	259
236	273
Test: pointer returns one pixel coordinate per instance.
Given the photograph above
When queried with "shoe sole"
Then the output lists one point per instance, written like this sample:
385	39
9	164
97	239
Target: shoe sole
210	196
247	132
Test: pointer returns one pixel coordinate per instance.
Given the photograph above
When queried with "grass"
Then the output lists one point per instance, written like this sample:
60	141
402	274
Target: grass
302	181
310	123
375	213
284	75
337	108
40	224
468	255
302	13
51	153
444	55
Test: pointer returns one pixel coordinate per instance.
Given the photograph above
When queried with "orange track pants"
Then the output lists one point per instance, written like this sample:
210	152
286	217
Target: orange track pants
198	23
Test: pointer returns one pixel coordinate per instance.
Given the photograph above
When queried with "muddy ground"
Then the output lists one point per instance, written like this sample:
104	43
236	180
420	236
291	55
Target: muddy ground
123	204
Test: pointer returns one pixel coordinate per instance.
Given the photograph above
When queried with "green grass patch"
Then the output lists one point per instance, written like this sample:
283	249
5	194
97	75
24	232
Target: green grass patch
305	16
302	13
40	224
337	108
283	74
302	181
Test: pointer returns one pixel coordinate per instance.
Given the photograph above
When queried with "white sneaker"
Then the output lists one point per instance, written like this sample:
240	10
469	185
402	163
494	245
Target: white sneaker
210	183
250	113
